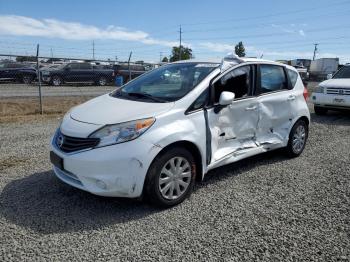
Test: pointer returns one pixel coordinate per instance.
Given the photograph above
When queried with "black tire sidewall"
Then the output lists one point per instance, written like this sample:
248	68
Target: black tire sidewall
152	180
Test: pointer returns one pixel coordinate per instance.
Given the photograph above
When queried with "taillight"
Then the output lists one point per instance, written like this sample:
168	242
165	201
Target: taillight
305	93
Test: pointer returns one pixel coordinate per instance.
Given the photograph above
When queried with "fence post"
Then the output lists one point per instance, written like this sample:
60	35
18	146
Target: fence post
39	79
129	66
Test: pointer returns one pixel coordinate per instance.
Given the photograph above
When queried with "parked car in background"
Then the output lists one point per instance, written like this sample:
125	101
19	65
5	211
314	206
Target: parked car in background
304	74
161	132
333	93
77	73
13	71
123	70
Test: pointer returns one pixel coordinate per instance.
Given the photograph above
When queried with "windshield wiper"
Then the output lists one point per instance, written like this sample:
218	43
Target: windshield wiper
145	95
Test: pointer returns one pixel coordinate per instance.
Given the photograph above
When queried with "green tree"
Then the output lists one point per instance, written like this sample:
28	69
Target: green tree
186	53
240	50
165	59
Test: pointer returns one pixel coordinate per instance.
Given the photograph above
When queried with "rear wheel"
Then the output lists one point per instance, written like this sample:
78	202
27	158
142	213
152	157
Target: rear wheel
102	81
297	138
320	110
27	79
170	178
56	81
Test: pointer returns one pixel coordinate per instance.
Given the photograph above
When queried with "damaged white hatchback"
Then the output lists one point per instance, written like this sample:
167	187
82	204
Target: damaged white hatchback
159	133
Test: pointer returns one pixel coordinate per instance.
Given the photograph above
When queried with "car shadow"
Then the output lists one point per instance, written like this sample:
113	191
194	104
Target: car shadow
44	204
332	118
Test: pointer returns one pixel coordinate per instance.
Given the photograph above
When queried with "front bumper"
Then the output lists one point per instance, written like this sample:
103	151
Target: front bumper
331	101
116	171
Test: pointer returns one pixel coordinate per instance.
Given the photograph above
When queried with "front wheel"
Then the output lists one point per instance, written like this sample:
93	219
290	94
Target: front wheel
170	178
297	138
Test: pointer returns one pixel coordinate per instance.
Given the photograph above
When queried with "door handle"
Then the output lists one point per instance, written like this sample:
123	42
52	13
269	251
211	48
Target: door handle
251	108
291	97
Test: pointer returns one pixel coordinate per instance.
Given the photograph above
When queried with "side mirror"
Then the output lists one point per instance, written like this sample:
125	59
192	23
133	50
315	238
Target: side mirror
329	76
226	98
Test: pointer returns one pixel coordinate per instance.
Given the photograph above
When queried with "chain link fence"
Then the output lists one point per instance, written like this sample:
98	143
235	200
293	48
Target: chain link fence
31	84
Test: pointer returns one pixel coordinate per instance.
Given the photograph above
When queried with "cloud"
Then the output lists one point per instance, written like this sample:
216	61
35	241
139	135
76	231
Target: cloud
289	31
52	28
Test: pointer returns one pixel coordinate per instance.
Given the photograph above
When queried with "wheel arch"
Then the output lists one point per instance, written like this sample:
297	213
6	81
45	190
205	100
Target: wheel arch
193	149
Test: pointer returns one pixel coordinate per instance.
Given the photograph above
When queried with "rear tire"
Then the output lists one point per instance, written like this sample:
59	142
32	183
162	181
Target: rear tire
297	138
56	81
102	81
27	79
170	177
320	110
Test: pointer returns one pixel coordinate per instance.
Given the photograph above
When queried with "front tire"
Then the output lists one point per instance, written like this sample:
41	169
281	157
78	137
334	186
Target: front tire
320	110
297	138
170	178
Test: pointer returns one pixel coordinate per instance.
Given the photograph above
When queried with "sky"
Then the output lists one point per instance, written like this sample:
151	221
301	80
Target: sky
270	29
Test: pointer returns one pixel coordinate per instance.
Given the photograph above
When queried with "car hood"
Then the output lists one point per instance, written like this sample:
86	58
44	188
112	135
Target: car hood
341	82
104	110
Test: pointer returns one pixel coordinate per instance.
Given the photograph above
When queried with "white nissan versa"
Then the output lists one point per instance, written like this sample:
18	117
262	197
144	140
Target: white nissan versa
159	133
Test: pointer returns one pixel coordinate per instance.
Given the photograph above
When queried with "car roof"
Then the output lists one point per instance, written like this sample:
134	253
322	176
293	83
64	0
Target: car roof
218	61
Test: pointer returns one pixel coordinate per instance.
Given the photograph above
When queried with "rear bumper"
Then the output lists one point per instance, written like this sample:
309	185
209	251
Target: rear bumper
331	101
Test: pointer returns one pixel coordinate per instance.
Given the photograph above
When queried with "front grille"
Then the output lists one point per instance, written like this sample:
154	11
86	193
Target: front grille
338	91
70	144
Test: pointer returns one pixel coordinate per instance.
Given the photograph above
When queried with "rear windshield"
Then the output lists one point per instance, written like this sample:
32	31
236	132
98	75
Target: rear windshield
166	83
343	73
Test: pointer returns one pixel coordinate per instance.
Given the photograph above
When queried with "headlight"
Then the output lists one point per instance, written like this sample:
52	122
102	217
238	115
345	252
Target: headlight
319	89
118	133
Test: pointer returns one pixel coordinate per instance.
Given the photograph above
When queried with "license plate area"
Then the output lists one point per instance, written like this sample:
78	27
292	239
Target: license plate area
56	160
339	100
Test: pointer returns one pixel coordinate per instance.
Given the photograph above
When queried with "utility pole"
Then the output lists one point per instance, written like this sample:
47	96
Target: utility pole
180	50
129	65
39	80
93	49
315	51
160	56
51	53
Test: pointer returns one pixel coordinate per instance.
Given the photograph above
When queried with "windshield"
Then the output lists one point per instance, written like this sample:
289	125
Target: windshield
343	73
166	83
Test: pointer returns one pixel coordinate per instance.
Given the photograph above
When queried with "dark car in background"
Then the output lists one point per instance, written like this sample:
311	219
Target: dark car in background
13	71
77	73
123	70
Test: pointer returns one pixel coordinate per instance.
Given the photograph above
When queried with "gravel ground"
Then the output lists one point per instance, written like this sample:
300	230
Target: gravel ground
264	208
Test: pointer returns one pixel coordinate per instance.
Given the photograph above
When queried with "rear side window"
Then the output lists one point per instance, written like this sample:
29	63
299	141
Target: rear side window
272	78
293	76
85	66
74	66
